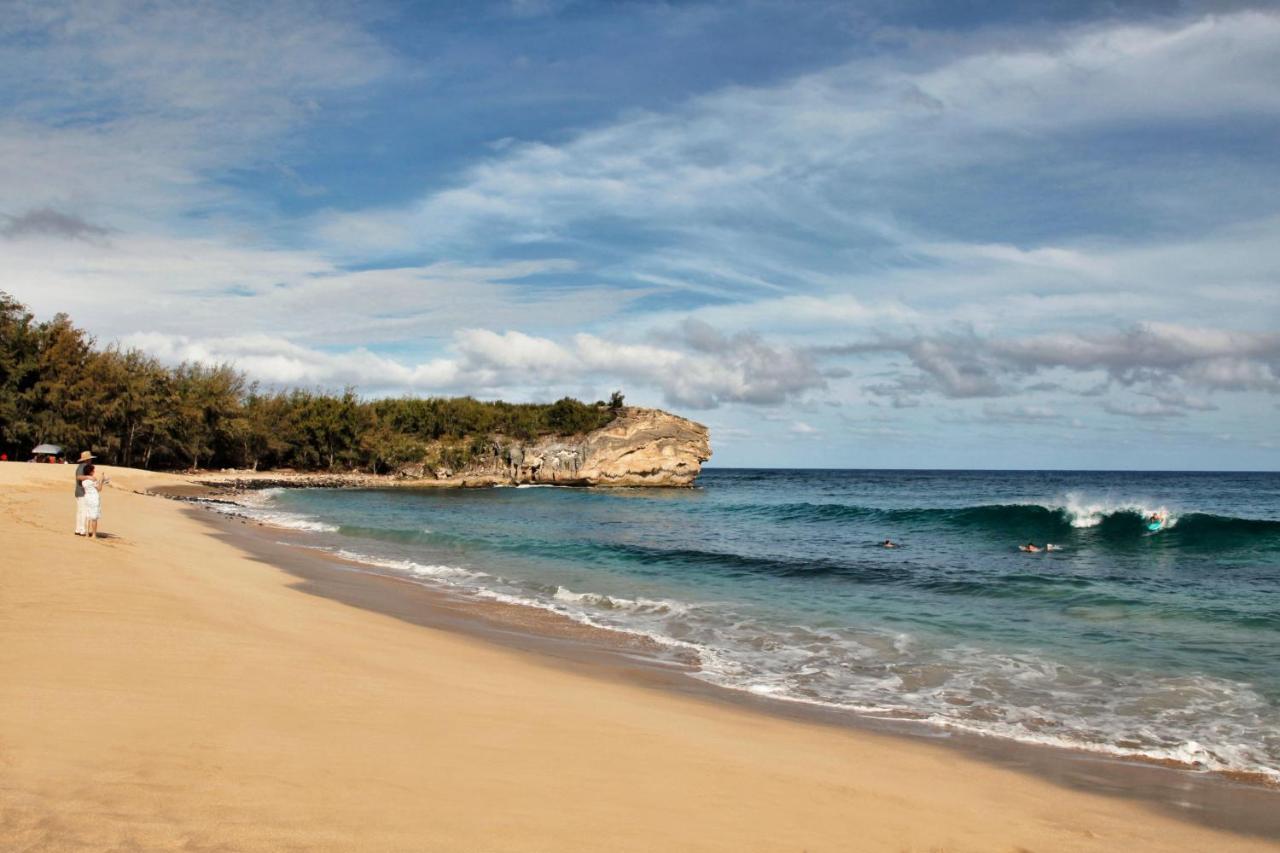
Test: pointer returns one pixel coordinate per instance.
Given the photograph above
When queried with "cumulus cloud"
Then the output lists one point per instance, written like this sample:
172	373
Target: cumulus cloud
953	365
701	370
1155	356
697	368
1205	357
743	368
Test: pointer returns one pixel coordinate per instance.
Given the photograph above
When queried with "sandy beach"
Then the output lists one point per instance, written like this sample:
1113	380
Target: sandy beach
165	689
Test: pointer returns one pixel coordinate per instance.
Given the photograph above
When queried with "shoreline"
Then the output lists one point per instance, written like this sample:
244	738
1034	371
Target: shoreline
1221	800
169	687
537	619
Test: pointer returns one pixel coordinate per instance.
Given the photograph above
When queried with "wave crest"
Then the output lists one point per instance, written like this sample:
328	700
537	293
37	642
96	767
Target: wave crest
1075	514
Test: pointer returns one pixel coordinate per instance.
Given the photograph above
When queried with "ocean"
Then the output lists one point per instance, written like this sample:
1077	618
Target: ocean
1161	645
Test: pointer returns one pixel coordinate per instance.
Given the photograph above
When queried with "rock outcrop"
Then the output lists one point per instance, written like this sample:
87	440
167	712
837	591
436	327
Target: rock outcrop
640	447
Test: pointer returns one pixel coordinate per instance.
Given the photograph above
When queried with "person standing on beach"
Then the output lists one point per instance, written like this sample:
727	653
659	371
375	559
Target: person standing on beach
92	500
85	459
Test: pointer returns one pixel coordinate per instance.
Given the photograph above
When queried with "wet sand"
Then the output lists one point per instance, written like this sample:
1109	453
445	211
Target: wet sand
175	686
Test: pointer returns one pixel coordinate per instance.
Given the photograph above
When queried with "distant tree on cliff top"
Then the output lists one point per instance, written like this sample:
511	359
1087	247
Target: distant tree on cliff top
56	386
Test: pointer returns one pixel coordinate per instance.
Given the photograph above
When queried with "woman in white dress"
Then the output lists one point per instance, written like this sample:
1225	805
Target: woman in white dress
92	501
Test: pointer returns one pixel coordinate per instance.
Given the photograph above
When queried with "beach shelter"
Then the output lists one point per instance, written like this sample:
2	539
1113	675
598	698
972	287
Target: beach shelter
44	451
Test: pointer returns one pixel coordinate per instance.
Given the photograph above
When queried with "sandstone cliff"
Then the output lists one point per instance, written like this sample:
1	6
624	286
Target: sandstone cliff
640	447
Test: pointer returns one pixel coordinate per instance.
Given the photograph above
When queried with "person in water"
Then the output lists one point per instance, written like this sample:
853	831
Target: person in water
888	543
1030	548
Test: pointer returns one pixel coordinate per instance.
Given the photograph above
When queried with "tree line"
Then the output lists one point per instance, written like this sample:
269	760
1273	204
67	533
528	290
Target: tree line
58	387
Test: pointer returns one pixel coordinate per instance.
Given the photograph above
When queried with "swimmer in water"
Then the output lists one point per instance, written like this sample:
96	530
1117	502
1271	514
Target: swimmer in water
1030	548
888	543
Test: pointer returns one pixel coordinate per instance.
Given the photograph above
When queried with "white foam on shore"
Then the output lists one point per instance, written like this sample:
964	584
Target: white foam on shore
1195	721
1198	722
481	585
421	570
258	497
584	618
256	510
1030	700
614	602
293	521
1190	754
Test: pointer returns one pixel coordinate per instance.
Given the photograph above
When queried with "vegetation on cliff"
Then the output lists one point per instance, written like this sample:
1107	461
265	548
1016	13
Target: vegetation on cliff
56	386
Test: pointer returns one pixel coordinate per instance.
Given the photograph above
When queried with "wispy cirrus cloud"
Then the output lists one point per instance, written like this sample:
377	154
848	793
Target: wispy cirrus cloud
217	288
132	112
790	166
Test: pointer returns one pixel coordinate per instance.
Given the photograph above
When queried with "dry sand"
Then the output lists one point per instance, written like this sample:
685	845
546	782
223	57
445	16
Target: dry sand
161	690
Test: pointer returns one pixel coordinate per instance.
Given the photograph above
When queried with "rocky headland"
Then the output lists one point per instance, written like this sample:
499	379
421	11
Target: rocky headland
639	447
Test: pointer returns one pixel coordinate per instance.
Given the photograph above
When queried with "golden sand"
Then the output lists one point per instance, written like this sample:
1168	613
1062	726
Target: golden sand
161	690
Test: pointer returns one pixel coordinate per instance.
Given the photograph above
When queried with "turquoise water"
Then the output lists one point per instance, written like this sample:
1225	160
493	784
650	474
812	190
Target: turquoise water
1165	645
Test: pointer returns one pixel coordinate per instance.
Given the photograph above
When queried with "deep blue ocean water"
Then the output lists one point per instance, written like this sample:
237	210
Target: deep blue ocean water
1165	644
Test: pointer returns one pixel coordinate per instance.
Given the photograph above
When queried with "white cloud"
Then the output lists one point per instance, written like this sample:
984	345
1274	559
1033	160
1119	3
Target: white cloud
480	360
796	163
848	204
1159	357
217	288
122	112
1216	65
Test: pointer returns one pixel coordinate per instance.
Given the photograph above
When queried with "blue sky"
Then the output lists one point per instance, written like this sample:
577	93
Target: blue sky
841	234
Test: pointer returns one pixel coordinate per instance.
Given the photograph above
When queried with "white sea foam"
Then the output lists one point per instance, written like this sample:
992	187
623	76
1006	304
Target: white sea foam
258	511
614	602
295	521
1199	721
258	497
421	570
1083	511
581	616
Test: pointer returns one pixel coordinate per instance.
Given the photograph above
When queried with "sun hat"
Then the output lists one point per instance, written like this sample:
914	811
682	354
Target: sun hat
85	456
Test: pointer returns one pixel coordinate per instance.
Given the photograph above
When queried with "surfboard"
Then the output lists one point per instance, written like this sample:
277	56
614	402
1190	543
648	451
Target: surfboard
1153	526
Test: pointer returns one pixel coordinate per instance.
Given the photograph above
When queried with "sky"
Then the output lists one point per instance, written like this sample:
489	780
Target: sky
880	234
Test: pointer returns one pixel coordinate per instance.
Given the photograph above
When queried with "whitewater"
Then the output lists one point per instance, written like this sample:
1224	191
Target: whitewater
1162	646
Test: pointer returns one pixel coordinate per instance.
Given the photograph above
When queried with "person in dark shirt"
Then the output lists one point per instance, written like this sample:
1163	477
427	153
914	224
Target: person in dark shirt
85	458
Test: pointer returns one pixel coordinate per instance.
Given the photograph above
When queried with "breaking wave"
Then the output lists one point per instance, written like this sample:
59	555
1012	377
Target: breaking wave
1073	517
